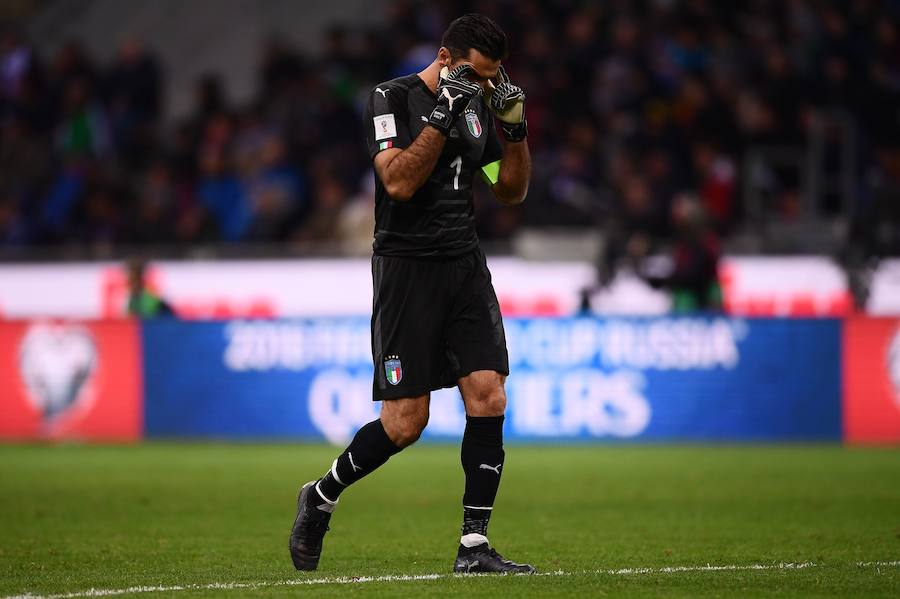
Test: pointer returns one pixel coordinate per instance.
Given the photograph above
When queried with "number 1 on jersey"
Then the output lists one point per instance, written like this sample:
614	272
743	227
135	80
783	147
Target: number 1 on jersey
457	164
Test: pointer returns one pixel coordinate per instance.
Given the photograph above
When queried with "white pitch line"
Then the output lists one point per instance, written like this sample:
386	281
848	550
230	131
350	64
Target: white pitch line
227	586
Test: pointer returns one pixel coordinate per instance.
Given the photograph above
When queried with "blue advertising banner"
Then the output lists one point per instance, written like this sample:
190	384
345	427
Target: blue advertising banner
655	379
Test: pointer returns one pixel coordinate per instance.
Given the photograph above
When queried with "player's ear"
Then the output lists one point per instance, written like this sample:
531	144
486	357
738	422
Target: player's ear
444	58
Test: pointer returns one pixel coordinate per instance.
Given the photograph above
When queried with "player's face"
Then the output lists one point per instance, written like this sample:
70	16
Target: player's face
486	68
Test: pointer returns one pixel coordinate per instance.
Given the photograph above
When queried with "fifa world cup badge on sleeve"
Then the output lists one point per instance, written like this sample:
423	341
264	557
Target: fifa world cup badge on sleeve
473	123
392	369
385	127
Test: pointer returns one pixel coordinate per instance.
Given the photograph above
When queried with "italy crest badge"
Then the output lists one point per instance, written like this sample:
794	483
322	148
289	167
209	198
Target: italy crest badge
393	369
474	124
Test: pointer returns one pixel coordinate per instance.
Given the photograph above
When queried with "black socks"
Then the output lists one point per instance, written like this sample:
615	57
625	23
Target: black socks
370	448
482	460
481	455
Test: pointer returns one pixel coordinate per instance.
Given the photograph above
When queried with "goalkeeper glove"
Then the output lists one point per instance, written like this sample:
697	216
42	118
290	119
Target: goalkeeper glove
507	101
454	92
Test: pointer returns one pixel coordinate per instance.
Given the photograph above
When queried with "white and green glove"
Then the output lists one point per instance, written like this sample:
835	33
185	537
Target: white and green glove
507	102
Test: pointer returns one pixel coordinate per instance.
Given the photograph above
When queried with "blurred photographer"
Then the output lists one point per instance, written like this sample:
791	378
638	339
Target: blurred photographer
693	280
142	302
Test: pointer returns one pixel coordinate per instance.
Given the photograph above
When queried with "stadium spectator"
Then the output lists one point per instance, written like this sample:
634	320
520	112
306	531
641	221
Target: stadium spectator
133	91
630	105
84	126
156	207
13	230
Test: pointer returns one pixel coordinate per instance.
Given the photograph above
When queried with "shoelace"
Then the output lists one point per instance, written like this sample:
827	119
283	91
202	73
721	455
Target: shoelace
316	525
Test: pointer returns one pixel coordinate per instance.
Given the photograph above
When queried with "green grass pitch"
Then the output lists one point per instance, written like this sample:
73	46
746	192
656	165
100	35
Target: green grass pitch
203	520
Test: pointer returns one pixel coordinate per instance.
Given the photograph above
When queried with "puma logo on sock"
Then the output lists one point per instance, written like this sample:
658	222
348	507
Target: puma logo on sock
494	468
352	465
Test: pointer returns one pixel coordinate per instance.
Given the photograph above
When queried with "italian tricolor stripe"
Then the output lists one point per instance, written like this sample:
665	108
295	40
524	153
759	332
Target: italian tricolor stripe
385	145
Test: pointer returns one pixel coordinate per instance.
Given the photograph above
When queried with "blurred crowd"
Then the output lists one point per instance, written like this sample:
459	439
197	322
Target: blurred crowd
639	112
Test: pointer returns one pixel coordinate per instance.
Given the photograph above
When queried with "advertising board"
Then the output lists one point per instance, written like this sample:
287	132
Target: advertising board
578	379
871	392
308	288
70	380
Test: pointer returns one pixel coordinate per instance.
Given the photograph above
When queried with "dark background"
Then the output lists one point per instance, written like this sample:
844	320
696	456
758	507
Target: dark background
774	123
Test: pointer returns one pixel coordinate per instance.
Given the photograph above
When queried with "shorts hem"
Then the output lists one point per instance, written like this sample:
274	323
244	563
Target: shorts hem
417	391
496	368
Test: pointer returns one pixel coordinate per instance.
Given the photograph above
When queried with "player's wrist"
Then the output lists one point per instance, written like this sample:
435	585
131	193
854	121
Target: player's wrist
514	132
442	119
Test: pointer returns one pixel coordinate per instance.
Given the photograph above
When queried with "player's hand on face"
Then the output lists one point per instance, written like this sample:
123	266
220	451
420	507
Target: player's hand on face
507	102
474	76
455	90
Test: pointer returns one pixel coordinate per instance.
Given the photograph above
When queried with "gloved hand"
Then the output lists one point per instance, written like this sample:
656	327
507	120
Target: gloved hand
507	102
454	92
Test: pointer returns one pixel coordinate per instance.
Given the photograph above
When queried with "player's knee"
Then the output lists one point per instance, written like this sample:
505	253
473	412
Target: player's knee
409	435
409	430
495	401
405	426
488	400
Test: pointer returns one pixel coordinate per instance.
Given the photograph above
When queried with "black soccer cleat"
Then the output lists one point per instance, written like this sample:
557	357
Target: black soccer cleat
484	559
309	529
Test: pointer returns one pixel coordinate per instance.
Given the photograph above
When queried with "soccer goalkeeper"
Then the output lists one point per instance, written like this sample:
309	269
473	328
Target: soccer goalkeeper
436	320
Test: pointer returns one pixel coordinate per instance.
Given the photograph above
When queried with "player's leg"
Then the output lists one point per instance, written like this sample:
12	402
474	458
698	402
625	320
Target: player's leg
482	457
477	350
400	425
408	352
482	452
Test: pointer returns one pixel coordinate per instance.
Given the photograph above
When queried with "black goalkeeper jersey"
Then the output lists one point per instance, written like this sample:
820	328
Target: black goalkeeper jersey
438	221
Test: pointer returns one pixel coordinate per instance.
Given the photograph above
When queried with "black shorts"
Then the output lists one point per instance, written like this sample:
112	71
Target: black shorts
433	322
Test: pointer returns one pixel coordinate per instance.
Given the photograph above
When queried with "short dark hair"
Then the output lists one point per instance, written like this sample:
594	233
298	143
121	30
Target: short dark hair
475	32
